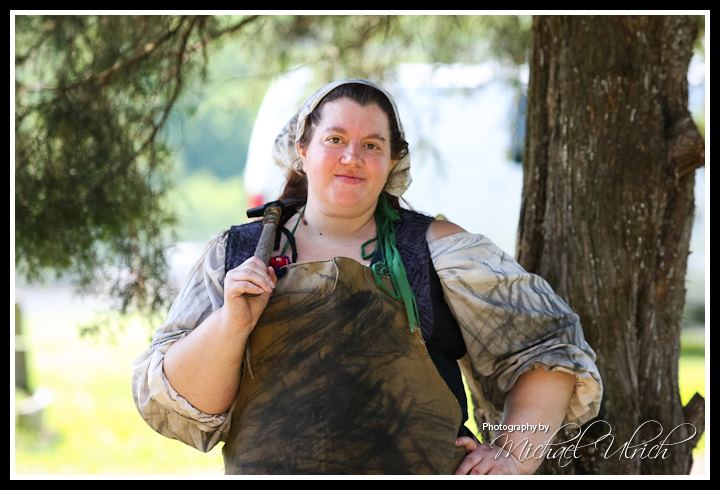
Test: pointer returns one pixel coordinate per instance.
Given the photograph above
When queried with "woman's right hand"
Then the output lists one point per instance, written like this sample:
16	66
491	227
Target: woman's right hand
247	290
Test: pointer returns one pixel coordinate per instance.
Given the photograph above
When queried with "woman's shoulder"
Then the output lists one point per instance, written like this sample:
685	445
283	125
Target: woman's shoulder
440	228
216	242
246	232
244	227
454	247
435	227
242	239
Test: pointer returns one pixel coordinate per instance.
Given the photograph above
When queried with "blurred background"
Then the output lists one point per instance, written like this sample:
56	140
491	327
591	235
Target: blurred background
74	350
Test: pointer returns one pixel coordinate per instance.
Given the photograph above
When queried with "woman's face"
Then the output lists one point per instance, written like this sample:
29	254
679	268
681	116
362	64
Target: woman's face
350	141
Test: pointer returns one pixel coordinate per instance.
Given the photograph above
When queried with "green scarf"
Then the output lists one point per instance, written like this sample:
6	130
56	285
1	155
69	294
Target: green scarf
385	218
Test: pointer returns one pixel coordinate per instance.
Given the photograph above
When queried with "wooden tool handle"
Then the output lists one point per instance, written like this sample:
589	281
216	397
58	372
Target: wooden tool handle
271	219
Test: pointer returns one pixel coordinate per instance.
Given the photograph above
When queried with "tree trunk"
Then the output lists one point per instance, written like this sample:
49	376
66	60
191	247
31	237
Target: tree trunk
22	380
607	209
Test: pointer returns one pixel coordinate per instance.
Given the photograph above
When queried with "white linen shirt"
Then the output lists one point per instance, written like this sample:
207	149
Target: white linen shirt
511	321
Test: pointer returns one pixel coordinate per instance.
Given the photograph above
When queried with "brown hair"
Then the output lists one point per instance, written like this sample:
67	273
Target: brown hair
296	186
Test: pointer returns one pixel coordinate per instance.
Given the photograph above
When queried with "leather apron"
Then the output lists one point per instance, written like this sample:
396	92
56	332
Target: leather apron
337	384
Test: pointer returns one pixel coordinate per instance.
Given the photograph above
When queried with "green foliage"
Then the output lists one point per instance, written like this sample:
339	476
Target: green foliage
99	118
370	45
207	205
215	141
699	44
700	122
692	341
91	173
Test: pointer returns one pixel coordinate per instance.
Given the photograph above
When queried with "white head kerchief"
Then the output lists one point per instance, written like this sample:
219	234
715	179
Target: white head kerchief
285	153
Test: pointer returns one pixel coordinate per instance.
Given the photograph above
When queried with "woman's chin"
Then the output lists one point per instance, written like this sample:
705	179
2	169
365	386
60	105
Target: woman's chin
349	202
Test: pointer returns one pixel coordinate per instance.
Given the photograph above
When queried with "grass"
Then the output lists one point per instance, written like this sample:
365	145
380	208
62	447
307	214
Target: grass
692	380
92	426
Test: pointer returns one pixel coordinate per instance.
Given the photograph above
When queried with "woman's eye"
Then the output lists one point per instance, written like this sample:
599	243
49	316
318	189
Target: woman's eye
334	140
373	146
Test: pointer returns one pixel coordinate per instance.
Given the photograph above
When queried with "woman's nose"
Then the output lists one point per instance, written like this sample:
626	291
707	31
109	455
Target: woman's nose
351	154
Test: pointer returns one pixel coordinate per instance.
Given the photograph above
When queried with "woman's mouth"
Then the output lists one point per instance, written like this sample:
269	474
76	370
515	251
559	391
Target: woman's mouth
349	180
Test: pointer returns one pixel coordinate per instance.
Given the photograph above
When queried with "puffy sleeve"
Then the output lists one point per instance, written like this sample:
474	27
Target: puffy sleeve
512	322
159	404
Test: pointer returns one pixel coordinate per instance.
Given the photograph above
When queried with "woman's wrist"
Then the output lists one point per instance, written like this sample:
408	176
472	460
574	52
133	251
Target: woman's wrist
526	466
231	327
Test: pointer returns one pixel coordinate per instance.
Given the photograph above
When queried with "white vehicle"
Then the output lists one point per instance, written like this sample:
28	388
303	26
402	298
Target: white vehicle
459	122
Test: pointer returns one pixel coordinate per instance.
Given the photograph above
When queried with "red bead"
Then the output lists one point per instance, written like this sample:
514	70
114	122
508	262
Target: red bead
279	261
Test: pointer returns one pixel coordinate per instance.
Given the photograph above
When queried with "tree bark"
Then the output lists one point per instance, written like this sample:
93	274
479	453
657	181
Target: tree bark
606	215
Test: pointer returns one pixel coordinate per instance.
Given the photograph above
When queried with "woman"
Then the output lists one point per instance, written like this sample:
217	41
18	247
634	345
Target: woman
347	363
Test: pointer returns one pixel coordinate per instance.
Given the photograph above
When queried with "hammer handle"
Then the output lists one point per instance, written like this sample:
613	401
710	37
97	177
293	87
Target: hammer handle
271	219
